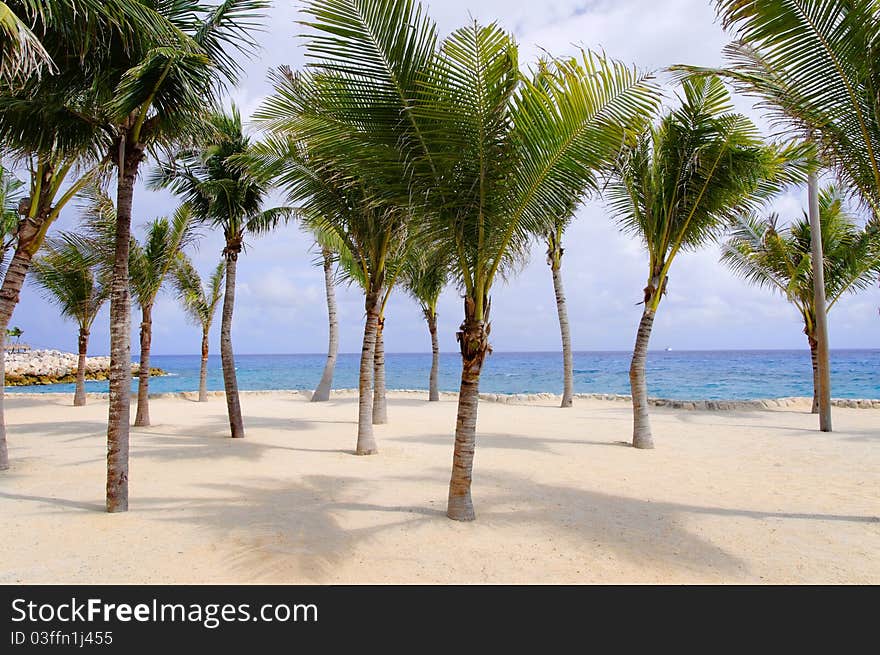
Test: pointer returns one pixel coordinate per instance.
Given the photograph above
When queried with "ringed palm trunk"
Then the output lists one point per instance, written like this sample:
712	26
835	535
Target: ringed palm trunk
366	443
120	338
642	437
473	339
203	370
322	392
433	388
79	396
230	382
29	238
562	311
142	418
380	405
814	358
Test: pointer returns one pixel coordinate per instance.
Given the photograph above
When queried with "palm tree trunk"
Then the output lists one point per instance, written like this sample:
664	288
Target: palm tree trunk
230	383
203	371
4	452
322	392
823	361
562	312
366	443
641	423
433	388
120	337
380	406
473	339
29	237
142	418
814	359
79	396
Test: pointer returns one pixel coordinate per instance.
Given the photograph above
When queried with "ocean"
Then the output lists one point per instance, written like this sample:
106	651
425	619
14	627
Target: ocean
684	375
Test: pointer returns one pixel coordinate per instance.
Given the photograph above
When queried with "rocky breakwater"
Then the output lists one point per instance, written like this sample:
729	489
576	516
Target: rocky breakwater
54	366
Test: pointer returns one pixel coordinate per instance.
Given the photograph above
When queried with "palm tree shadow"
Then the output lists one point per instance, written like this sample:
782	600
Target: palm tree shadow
59	502
506	441
287	531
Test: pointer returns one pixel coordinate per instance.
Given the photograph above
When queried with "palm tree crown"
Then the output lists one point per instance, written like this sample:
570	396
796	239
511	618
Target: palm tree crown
777	257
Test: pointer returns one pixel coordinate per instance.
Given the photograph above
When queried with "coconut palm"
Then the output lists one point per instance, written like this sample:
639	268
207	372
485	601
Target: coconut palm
370	234
73	277
453	133
200	304
222	193
676	187
553	237
814	66
424	278
150	264
779	257
160	95
45	127
328	245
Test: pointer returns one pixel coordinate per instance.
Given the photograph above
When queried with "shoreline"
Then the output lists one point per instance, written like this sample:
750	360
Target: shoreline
510	399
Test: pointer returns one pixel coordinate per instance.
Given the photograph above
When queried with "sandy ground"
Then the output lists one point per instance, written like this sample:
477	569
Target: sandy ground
728	497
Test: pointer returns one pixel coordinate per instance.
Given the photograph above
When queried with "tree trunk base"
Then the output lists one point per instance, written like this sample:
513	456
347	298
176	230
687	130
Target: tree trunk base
643	442
566	402
367	449
461	508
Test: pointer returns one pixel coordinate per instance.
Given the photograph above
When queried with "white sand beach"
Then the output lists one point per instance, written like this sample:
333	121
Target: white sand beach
732	497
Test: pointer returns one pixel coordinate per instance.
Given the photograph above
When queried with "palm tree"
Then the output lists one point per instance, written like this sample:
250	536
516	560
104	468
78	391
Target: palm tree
200	304
780	258
553	237
677	186
370	234
150	264
813	65
455	135
424	278
328	244
220	191
45	128
73	277
160	95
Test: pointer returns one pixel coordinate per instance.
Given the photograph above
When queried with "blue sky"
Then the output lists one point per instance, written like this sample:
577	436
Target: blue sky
280	299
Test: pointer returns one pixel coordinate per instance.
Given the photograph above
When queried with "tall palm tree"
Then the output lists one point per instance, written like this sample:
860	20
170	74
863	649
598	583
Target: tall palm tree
777	257
200	304
424	278
160	95
328	245
455	134
46	128
814	66
73	277
221	192
676	187
370	234
553	237
150	263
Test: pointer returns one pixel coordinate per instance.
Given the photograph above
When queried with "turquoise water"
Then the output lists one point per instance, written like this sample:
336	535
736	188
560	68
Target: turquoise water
686	375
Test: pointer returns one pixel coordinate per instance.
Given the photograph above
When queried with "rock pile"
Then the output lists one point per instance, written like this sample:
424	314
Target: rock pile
54	366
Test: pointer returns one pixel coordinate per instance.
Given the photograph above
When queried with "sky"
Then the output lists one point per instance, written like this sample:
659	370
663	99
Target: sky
280	306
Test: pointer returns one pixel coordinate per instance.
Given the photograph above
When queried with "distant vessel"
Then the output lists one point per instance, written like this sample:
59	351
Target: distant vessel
668	349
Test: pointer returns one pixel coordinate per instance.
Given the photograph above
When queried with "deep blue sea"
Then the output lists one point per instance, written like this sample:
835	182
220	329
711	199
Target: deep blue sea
686	375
